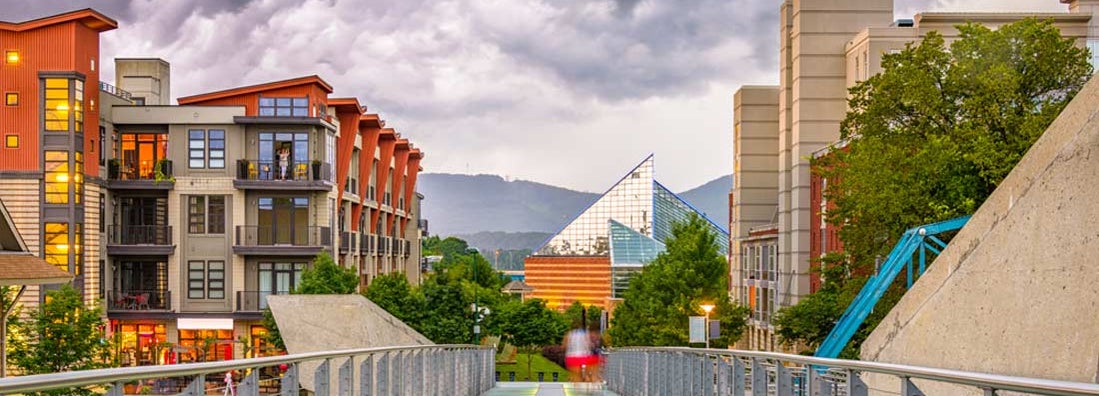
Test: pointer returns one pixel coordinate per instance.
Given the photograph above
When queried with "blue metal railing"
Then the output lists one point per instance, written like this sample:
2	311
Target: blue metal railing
916	240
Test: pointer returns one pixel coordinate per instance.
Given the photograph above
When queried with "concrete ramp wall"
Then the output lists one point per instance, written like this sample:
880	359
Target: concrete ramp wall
1017	290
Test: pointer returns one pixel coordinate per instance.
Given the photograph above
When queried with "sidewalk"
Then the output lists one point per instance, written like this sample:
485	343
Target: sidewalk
548	389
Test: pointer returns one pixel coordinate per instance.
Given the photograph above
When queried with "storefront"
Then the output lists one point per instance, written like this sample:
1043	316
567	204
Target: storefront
142	344
205	339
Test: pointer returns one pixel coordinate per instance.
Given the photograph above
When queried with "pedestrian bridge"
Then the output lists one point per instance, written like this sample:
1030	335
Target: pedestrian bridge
470	370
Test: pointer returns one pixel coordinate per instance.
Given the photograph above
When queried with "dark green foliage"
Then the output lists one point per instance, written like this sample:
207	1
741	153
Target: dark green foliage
928	140
62	335
327	277
667	291
529	326
574	312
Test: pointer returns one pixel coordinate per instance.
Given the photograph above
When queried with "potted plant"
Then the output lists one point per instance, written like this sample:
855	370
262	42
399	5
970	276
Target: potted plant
316	169
162	171
113	168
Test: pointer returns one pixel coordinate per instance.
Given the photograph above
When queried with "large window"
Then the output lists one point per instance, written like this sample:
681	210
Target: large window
760	280
283	221
206	345
283	155
206	148
206	214
57	245
57	104
205	280
140	154
278	278
57	177
142	344
284	107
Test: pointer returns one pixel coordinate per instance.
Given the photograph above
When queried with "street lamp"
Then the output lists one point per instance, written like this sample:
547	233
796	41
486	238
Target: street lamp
706	328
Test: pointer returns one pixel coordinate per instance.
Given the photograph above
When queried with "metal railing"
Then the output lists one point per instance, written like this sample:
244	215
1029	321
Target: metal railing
422	369
139	300
253	235
687	371
121	234
254	300
366	245
111	89
345	241
274	170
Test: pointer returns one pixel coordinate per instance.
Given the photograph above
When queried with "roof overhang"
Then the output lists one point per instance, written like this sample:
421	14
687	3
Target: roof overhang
257	88
26	269
88	17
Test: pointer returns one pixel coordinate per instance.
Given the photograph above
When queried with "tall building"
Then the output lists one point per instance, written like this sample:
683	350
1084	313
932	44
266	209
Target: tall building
825	48
182	218
592	258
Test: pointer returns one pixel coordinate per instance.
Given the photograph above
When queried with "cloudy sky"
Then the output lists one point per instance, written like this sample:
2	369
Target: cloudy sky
566	92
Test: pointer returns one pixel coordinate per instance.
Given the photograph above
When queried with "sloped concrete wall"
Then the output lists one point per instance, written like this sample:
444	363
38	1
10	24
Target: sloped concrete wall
1017	290
313	323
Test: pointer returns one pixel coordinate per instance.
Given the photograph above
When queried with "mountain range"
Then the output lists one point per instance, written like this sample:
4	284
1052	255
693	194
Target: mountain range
493	213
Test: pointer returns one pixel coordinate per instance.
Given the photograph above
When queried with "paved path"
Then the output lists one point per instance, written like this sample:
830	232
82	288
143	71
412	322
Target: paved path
547	389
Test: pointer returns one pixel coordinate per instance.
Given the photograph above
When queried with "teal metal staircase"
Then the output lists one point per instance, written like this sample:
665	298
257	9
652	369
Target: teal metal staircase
916	240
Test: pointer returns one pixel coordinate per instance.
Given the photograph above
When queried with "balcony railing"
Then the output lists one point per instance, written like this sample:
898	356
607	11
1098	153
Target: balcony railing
383	245
254	300
252	235
140	169
276	171
366	243
139	300
120	234
345	242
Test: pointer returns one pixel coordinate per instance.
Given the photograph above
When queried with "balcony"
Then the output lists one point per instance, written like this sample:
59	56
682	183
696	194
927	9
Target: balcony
285	240
143	240
345	242
138	300
383	246
254	300
140	175
272	175
366	244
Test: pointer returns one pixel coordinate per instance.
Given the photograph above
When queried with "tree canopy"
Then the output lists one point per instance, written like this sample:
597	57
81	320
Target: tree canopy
691	271
929	139
324	277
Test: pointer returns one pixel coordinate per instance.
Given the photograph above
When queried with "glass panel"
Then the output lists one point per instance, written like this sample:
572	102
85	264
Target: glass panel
56	245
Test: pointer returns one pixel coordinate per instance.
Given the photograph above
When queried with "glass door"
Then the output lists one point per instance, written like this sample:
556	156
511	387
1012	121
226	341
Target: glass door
278	278
283	221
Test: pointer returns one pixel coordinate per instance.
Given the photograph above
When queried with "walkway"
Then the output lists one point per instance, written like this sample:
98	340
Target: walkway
547	389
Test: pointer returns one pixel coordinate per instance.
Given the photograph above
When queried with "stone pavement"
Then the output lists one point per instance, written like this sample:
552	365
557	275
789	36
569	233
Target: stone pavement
548	389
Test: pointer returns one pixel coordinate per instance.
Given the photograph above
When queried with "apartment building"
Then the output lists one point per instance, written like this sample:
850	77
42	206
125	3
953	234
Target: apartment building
825	48
182	218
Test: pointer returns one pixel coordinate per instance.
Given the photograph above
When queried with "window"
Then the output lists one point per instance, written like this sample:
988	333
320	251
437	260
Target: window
206	279
57	177
78	106
11	57
57	104
56	245
11	141
206	214
284	107
138	101
102	213
200	349
102	146
11	98
206	148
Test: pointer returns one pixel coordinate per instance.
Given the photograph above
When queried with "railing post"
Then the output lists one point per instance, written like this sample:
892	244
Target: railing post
116	389
320	379
249	386
855	386
724	373
383	374
908	388
366	376
738	377
697	371
989	392
818	384
759	379
289	385
784	381
346	374
197	387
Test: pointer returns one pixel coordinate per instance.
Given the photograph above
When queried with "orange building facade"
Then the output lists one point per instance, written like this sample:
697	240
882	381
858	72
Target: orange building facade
563	280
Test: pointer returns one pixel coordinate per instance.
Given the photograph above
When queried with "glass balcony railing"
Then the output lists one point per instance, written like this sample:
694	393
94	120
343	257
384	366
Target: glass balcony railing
120	234
283	235
139	300
276	171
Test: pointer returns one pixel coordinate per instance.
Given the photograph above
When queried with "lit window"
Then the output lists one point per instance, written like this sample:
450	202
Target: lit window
57	177
56	245
11	98
57	104
11	141
11	57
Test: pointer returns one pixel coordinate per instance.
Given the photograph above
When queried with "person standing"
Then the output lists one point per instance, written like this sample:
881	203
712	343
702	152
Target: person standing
284	161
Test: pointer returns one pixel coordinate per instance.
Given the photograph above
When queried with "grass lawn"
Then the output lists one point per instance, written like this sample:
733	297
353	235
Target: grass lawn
538	364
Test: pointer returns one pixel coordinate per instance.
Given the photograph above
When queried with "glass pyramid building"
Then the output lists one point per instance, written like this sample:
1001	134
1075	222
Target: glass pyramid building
630	223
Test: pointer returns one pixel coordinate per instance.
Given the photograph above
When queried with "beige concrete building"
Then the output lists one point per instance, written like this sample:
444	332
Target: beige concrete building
826	47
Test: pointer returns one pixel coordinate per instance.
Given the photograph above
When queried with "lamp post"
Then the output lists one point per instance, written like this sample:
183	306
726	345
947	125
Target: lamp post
706	327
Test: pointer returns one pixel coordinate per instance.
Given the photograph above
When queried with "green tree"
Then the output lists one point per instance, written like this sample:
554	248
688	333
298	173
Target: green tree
575	310
324	277
929	139
395	295
529	325
61	335
658	301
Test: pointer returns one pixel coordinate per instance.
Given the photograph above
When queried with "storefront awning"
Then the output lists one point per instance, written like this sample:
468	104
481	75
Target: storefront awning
204	324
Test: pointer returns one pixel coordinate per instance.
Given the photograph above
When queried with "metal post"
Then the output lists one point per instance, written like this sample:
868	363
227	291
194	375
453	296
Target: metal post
707	376
249	386
116	389
818	385
290	385
320	379
908	388
855	386
759	379
366	376
738	377
383	374
197	387
346	373
784	381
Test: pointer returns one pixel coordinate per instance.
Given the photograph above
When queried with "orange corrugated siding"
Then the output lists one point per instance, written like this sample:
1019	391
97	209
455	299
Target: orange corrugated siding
65	47
250	100
562	280
400	159
387	141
